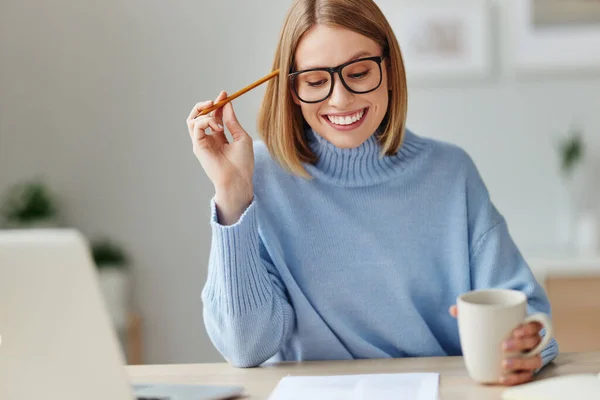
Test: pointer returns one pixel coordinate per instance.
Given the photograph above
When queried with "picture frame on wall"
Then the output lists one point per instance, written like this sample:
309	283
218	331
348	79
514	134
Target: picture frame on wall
442	40
552	35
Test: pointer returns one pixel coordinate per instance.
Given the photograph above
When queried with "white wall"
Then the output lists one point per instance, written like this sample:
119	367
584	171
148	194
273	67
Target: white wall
94	95
510	125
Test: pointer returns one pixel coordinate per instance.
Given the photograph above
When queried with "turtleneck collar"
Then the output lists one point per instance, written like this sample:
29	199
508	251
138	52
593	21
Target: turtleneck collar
363	165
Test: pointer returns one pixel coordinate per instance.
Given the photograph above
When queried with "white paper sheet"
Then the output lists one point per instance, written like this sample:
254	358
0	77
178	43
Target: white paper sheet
358	387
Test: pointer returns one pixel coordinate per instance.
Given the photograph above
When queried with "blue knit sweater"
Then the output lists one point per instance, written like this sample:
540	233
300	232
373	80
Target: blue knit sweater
363	261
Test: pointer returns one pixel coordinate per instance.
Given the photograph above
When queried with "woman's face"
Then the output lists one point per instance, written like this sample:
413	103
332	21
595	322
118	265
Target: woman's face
345	119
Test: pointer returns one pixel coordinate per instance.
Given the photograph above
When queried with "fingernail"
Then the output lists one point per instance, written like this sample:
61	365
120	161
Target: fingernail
509	344
508	363
220	126
503	379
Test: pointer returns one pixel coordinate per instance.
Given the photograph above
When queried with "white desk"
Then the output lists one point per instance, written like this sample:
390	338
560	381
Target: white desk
259	382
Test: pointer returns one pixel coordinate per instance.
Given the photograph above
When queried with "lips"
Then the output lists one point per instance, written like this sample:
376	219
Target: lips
346	118
346	121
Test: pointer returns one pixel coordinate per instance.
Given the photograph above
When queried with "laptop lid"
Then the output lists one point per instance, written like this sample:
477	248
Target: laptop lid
57	340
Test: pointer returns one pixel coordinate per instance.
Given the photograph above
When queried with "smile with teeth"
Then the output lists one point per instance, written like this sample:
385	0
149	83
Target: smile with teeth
347	119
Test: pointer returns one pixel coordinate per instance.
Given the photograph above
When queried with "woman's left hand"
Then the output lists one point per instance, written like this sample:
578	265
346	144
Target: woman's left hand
524	338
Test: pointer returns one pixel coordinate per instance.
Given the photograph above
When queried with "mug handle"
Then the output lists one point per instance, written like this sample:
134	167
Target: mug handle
545	321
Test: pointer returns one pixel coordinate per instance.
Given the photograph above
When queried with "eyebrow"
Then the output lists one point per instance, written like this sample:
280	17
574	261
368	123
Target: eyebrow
356	56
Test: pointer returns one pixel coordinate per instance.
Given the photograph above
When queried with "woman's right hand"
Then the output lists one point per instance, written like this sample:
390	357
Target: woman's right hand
229	165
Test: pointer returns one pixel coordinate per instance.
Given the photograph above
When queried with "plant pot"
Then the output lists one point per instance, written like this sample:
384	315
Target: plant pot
575	201
114	283
586	234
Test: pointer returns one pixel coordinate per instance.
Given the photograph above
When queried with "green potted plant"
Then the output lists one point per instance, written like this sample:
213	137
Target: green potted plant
29	204
571	152
113	273
580	228
108	254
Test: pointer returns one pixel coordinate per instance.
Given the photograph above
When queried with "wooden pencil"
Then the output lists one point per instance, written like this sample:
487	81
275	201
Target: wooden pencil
240	92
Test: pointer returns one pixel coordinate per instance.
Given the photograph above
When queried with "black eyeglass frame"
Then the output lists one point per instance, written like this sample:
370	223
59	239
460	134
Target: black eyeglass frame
333	70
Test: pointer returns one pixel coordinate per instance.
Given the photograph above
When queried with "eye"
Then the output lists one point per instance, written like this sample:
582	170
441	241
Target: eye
358	75
313	79
317	83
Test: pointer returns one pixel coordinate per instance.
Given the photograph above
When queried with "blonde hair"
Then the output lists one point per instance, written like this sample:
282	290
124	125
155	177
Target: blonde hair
284	136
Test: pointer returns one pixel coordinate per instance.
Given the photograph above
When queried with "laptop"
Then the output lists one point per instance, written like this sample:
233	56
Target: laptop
57	340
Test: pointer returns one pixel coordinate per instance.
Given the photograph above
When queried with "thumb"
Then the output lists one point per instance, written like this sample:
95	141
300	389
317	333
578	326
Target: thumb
236	130
218	115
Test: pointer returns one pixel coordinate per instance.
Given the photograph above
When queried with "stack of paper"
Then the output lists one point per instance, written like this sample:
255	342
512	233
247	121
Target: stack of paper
357	387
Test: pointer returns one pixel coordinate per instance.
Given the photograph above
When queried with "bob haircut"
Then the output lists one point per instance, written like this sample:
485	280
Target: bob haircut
280	122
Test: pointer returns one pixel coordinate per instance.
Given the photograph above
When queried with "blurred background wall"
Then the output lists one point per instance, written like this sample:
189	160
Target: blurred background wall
94	97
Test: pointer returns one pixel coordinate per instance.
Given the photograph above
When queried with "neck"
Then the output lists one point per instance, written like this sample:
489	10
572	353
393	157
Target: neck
363	165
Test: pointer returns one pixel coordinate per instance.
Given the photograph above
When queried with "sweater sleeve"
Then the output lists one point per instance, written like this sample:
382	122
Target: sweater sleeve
246	311
496	261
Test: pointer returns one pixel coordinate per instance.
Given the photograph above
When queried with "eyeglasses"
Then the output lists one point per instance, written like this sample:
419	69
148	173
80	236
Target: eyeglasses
358	76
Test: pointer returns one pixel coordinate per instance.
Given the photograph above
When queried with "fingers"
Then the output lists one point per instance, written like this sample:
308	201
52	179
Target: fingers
453	310
214	125
530	329
522	344
524	337
516	378
218	117
198	131
218	114
199	127
522	364
236	130
521	370
197	109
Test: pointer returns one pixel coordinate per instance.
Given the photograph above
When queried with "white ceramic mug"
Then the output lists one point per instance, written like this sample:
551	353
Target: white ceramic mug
486	318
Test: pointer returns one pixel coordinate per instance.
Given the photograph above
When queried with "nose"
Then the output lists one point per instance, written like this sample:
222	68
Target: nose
340	96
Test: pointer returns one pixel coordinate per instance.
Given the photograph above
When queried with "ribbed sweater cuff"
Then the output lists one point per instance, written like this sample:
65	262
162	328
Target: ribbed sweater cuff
549	353
237	282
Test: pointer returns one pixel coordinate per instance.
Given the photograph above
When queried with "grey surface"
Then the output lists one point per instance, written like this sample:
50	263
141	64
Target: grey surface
186	392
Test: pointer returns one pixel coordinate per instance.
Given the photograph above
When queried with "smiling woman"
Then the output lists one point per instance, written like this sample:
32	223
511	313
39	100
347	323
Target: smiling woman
312	44
342	234
358	73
